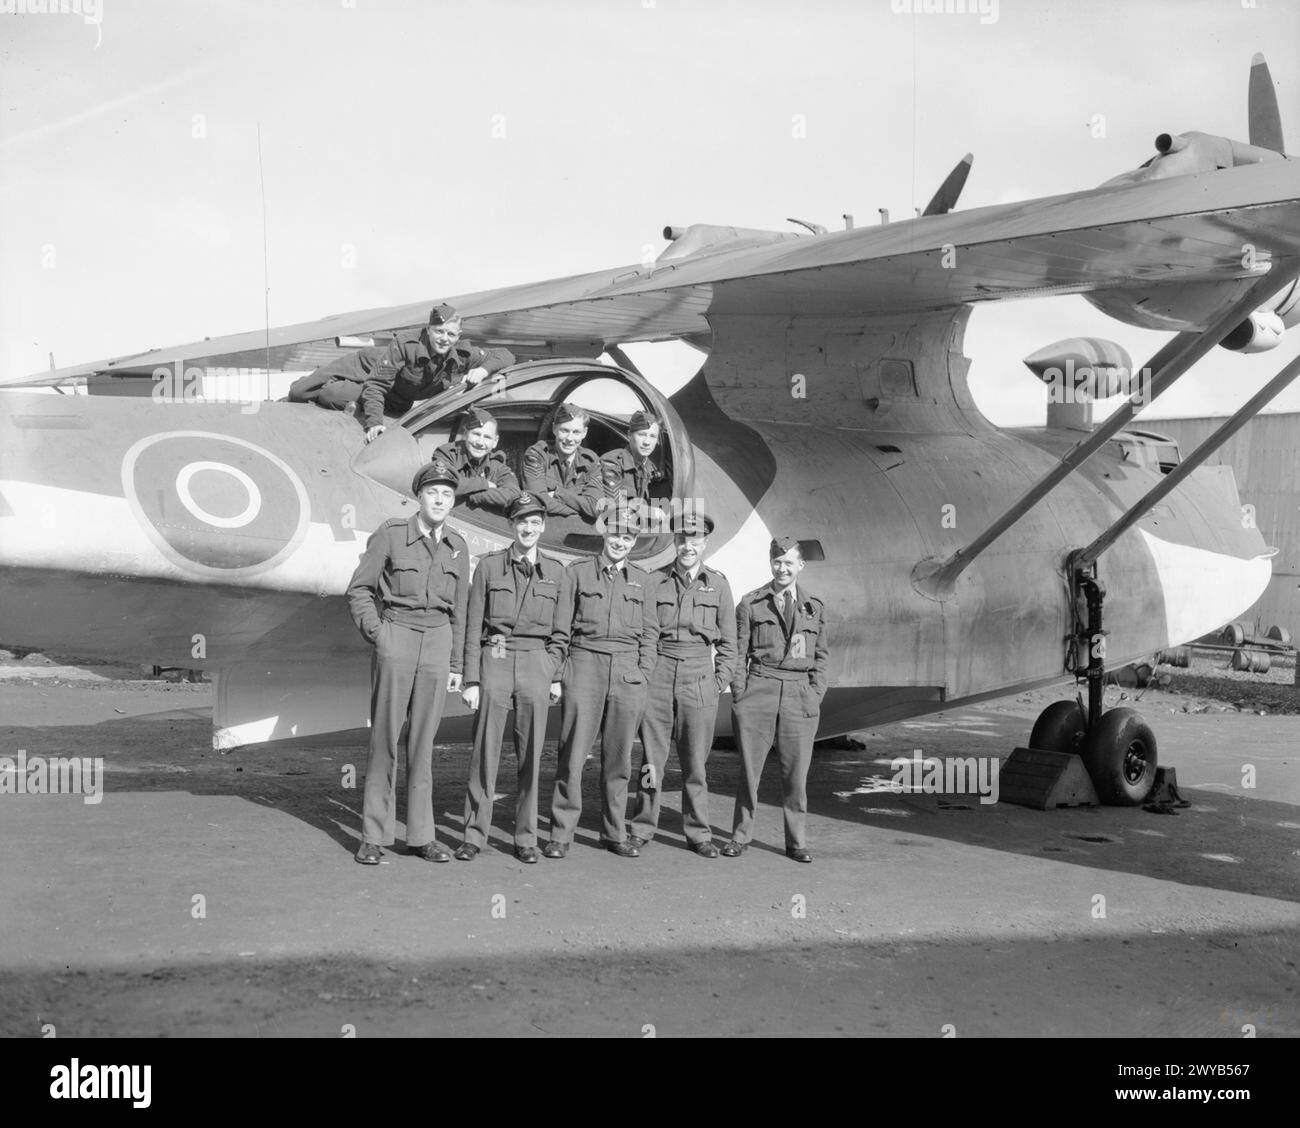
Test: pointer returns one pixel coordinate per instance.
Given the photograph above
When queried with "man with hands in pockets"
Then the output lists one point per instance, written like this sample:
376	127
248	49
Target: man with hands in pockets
606	626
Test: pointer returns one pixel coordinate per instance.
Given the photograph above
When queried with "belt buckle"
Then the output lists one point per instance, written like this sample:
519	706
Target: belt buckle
498	644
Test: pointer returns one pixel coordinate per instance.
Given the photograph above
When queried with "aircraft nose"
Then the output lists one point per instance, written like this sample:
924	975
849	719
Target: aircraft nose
1211	574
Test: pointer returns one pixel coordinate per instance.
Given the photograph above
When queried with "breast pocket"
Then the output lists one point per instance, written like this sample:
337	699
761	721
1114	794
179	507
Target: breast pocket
539	608
589	614
407	573
406	582
446	576
807	628
500	600
704	612
766	631
632	600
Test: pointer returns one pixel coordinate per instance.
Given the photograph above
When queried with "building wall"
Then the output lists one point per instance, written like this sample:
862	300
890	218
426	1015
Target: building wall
1265	456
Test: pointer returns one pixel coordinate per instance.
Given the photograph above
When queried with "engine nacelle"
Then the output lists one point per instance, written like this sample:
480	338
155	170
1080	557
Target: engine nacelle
1193	305
1083	369
702	238
1261	331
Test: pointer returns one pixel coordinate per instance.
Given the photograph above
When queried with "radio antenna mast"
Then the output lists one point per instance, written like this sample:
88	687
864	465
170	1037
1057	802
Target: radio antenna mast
266	274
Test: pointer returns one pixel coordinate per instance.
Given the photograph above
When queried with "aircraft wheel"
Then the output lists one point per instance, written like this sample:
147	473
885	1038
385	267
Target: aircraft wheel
1120	755
1059	728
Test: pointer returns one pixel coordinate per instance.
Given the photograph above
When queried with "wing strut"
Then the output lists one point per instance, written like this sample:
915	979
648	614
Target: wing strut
935	579
619	357
1081	566
1086	557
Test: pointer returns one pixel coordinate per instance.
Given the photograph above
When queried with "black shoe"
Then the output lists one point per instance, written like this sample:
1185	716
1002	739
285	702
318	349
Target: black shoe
734	849
799	855
705	849
466	853
623	849
430	852
636	841
526	854
555	849
369	854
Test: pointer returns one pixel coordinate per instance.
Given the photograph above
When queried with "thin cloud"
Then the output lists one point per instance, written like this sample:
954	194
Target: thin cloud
101	108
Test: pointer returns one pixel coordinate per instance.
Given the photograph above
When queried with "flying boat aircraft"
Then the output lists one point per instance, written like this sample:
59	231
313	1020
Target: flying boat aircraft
959	561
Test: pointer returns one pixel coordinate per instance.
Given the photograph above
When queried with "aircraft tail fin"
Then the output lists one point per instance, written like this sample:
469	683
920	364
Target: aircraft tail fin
946	198
1265	120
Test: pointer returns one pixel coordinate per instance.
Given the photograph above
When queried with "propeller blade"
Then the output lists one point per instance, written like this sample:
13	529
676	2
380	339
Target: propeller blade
815	228
1265	121
946	198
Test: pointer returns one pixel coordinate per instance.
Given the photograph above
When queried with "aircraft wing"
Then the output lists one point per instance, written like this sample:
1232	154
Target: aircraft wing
1178	229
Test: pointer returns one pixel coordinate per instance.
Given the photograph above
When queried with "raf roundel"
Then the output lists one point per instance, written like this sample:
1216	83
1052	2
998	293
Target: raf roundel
213	504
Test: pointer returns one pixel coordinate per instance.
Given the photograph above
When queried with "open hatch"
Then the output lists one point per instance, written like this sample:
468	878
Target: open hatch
523	398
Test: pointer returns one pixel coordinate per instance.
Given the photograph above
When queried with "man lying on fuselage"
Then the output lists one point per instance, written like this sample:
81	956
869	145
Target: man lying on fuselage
385	380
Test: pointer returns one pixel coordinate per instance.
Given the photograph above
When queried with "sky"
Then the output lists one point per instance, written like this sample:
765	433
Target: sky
414	150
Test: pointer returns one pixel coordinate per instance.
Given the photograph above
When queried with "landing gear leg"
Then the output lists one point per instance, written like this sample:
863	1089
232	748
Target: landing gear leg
1119	748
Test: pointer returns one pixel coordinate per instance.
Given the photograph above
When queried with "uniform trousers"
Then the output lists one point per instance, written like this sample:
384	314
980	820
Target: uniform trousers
681	710
518	680
335	392
787	710
597	688
408	678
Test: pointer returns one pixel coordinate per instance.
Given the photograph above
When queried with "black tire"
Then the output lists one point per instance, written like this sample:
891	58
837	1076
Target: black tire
1120	755
1059	728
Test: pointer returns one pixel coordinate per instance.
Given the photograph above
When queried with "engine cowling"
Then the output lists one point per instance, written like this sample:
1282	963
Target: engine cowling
1261	331
1083	368
707	238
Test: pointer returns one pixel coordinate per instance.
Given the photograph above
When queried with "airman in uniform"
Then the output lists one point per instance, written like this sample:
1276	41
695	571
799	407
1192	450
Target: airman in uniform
407	598
563	472
511	659
697	656
606	628
485	479
629	476
386	381
777	693
435	358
